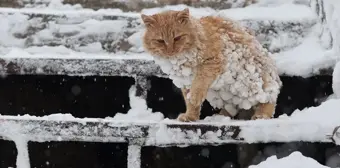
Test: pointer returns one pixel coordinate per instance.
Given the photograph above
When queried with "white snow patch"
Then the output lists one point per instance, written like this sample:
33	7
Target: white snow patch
11	25
331	27
327	113
134	154
197	12
70	13
272	3
139	110
294	160
61	52
22	148
304	60
336	80
216	118
277	13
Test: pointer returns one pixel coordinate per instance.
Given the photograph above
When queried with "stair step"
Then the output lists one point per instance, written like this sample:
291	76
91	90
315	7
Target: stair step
116	31
18	61
126	5
113	36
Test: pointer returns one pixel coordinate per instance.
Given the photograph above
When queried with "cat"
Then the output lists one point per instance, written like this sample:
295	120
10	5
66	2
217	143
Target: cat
213	58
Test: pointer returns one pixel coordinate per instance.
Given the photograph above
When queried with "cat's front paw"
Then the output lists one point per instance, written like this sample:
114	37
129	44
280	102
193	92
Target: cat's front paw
260	116
184	117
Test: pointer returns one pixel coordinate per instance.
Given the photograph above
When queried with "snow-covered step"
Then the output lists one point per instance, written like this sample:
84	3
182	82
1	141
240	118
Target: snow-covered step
126	5
18	61
68	62
114	30
113	36
64	127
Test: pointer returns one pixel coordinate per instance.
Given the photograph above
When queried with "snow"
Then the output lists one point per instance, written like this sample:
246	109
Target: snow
139	110
296	12
331	26
23	156
61	52
294	160
134	154
336	80
311	55
304	60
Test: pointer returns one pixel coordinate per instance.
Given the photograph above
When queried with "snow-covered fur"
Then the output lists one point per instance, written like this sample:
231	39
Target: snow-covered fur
240	84
248	75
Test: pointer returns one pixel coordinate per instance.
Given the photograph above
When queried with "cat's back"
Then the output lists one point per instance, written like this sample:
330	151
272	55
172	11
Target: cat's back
225	26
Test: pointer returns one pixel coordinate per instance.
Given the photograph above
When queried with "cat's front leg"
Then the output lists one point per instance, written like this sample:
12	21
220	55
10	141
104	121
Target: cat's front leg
204	77
264	111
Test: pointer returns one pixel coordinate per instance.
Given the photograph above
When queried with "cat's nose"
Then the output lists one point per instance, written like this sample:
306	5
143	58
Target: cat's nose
170	49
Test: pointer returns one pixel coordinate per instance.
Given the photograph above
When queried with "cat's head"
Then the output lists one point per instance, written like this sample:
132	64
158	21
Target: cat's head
168	33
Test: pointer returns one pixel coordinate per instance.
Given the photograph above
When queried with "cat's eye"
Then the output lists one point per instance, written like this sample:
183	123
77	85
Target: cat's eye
160	41
177	38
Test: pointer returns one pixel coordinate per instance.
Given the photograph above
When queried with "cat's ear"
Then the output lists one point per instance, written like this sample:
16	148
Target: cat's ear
149	21
183	16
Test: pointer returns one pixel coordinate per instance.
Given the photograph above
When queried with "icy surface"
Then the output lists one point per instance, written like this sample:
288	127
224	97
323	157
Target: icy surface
294	160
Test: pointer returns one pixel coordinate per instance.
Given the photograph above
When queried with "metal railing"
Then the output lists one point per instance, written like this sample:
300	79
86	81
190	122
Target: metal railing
22	129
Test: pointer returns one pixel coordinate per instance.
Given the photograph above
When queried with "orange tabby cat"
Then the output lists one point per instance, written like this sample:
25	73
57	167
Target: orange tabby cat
215	59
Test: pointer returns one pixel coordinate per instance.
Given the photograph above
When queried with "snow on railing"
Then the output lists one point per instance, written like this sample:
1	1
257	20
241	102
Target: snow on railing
142	127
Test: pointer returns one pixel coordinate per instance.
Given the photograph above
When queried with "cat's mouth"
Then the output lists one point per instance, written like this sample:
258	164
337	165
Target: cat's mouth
170	55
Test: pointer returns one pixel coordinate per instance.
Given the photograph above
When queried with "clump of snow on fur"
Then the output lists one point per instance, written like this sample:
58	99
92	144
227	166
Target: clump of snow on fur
336	80
294	160
139	110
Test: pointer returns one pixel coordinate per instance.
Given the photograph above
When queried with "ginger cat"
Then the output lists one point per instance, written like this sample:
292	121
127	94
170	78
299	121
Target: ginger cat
215	59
